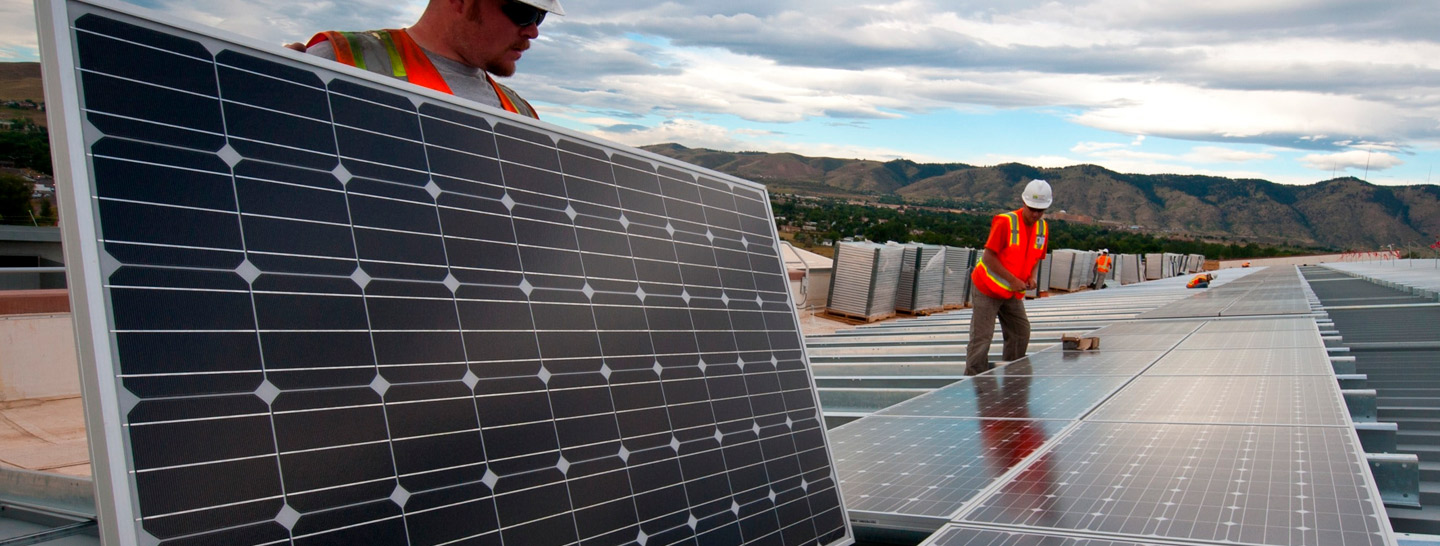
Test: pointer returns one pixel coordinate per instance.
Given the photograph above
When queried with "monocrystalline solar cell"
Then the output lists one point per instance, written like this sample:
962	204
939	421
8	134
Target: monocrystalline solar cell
1278	324
929	466
1306	361
1058	362
957	535
1139	342
1150	328
1236	484
1269	400
1013	397
1262	339
334	309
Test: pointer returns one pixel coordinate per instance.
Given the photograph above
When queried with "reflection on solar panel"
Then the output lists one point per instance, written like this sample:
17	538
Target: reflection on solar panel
1252	485
1180	328
929	466
1014	397
1139	342
957	535
1057	362
1300	361
322	309
1272	400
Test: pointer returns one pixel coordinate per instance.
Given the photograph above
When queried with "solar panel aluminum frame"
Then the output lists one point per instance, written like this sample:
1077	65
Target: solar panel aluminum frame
104	402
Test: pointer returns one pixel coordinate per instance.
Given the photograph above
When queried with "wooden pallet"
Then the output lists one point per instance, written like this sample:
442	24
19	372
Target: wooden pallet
920	312
851	318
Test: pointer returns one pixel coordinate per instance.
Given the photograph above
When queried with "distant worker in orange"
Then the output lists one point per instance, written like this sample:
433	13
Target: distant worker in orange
1246	264
1200	281
1102	268
1018	241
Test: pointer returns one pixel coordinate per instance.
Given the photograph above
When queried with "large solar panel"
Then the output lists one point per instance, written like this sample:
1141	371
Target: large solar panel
321	307
1013	397
1060	362
1290	361
1277	324
1261	339
1231	484
1179	327
1272	400
929	466
1272	291
961	535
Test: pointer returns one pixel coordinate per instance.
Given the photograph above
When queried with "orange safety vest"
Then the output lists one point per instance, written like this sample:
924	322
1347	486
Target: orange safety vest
409	62
1102	264
1197	280
1019	257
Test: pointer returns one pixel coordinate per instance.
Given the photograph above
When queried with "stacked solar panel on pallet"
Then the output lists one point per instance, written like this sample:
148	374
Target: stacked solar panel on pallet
1130	270
1061	262
865	279
1174	264
922	279
1154	267
1042	273
958	263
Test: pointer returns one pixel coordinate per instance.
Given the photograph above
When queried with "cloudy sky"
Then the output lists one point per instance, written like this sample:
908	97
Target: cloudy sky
1292	91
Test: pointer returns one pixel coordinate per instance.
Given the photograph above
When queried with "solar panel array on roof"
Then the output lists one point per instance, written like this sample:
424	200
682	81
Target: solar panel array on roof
325	308
1209	483
1273	291
1190	431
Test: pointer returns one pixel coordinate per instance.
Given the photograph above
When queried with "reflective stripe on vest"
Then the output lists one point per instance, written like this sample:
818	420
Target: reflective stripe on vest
409	62
1016	249
986	271
1042	233
1014	228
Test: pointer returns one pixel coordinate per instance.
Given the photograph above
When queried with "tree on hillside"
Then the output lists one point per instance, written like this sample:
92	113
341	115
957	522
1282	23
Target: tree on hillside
27	145
15	199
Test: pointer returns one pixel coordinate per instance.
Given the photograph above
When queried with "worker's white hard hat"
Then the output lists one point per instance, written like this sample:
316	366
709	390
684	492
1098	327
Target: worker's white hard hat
552	6
1037	194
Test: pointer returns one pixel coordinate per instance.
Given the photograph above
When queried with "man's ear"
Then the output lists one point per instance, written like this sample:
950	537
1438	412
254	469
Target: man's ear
457	7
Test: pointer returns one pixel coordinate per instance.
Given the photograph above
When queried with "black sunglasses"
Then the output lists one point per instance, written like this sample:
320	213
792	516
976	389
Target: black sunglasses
1033	209
523	15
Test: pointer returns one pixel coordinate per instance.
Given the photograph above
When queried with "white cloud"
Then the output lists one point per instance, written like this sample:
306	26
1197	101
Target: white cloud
17	31
1093	147
1353	159
1216	154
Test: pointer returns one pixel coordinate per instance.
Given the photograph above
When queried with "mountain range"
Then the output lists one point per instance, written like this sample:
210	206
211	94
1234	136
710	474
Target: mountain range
1342	213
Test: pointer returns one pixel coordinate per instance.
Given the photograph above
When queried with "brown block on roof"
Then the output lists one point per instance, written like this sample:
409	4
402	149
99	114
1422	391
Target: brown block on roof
24	302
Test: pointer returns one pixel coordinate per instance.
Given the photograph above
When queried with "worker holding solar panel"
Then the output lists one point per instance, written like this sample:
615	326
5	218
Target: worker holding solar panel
1017	242
457	47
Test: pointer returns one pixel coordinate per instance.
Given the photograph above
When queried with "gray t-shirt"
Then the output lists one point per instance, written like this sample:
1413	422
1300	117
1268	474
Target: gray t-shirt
464	81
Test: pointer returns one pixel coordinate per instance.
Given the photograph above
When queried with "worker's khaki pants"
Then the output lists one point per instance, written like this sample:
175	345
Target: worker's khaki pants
1013	323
